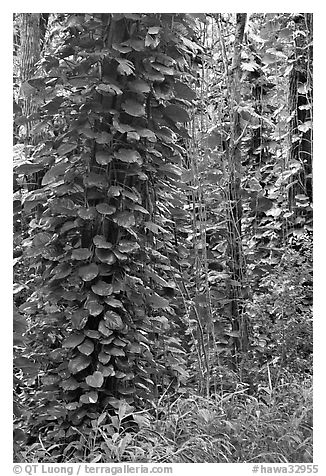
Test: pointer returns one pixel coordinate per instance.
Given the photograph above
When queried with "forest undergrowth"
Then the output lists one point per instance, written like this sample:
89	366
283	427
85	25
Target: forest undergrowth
275	427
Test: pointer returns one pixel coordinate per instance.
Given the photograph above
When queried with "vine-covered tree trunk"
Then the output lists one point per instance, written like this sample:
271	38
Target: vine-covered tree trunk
239	326
300	109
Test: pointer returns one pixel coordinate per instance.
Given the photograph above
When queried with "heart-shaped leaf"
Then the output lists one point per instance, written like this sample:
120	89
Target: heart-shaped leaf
105	256
113	320
88	272
79	318
102	288
79	363
96	380
73	341
87	347
104	358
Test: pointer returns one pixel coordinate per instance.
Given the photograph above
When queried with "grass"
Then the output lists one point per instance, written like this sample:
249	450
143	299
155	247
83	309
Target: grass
276	427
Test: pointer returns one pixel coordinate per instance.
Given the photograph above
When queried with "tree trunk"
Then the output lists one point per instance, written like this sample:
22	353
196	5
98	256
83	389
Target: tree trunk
28	56
239	326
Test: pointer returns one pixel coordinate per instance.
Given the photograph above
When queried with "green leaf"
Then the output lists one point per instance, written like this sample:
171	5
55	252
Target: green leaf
26	169
105	256
104	358
163	69
103	138
132	195
96	380
79	363
128	246
73	341
153	30
153	227
113	302
117	352
95	180
103	158
102	288
121	48
70	384
56	171
269	58
139	86
125	67
123	128
61	271
93	306
114	191
81	254
100	242
176	113
107	371
133	136
113	321
109	89
104	330
129	156
147	134
79	318
87	347
133	108
157	302
125	219
105	209
89	397
87	213
88	272
183	91
140	209
65	148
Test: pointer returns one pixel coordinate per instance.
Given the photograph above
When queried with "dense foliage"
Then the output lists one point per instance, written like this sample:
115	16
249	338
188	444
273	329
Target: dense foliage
162	237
